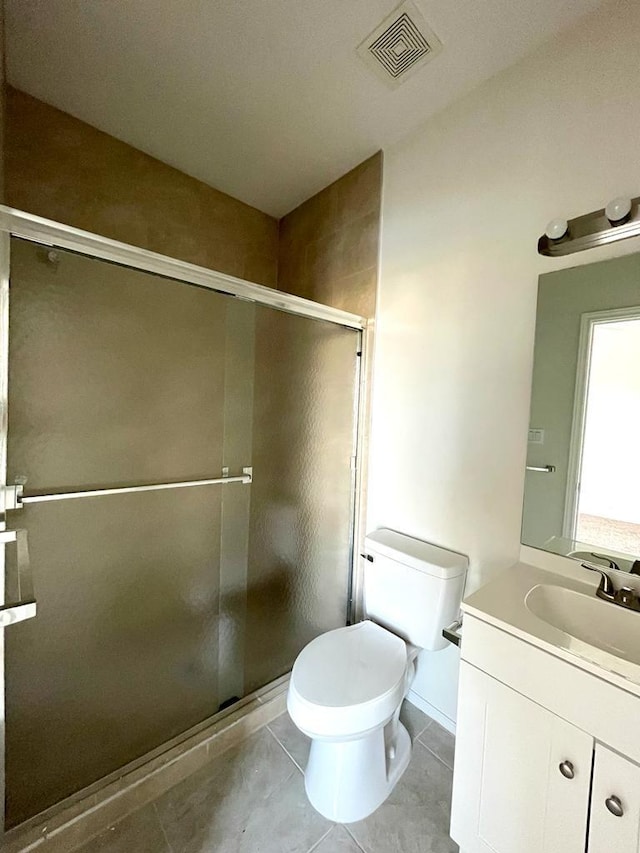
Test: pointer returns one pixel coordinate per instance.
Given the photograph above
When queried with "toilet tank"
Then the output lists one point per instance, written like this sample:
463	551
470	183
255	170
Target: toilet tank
411	587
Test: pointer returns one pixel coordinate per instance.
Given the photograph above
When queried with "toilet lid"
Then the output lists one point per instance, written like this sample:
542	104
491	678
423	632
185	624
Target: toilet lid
350	666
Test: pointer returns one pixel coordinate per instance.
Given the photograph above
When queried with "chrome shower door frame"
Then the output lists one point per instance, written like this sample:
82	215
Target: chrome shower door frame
54	235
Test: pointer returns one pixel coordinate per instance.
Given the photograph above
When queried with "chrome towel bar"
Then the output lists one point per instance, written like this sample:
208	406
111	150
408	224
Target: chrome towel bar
15	499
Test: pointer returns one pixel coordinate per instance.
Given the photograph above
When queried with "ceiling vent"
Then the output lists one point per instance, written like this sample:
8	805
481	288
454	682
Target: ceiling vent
400	45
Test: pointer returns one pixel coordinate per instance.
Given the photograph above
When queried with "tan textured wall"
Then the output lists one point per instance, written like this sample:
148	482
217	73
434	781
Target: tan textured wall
63	169
2	100
329	245
329	252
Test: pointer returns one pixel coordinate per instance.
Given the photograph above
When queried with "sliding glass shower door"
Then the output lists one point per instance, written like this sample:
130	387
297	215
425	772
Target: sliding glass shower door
157	607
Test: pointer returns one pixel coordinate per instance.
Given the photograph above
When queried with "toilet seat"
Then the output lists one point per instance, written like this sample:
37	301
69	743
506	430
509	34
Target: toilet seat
348	681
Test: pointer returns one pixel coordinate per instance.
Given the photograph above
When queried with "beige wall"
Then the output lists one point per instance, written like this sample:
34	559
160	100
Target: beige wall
329	245
63	169
465	200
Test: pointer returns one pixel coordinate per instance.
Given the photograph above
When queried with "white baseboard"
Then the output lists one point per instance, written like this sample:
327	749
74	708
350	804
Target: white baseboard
431	711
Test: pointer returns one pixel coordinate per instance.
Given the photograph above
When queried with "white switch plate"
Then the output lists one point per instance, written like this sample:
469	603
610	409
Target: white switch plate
536	436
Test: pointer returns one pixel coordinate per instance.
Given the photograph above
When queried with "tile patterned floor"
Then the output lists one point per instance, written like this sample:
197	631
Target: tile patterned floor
252	800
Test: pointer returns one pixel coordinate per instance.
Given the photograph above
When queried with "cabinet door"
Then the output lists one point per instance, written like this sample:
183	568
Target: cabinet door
509	792
615	804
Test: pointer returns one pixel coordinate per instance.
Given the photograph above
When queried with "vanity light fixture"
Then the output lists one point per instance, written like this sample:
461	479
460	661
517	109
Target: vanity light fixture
619	220
557	228
618	210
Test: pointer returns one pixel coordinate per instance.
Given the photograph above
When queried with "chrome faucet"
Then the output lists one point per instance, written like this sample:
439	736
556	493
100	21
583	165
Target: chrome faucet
626	596
606	589
612	563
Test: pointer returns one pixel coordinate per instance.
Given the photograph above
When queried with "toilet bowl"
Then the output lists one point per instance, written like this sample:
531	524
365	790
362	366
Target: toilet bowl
345	693
347	686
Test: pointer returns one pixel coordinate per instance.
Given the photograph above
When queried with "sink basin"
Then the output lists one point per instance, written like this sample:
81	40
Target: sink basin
558	611
588	619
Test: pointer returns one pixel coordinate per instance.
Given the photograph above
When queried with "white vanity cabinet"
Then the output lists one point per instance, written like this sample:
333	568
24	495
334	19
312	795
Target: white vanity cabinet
547	755
522	774
614	826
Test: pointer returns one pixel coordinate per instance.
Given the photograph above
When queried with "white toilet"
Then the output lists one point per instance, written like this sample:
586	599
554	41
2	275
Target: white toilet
347	685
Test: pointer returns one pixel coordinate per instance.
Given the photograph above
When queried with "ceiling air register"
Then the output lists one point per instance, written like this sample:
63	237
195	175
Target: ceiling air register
400	45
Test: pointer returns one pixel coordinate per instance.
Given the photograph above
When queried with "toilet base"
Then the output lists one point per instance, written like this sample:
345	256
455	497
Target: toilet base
348	780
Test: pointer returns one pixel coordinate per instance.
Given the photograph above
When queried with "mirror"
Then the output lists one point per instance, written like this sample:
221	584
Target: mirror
582	486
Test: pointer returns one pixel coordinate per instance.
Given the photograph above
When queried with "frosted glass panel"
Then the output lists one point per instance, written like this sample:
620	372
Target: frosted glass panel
156	609
123	653
115	375
299	547
116	378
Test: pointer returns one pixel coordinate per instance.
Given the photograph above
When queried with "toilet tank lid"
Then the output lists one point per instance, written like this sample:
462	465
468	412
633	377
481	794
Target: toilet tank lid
423	556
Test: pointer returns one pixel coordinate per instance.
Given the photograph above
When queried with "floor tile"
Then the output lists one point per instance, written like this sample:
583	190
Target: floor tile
284	823
441	742
292	739
251	800
415	818
337	841
414	720
139	831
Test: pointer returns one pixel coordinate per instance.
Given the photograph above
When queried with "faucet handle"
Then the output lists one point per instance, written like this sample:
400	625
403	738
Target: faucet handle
606	588
628	597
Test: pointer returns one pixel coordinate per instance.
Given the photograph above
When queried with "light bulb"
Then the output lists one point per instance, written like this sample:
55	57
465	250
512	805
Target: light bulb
618	209
557	228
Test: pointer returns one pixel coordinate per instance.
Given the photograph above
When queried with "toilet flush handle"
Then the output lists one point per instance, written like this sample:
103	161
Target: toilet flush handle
453	632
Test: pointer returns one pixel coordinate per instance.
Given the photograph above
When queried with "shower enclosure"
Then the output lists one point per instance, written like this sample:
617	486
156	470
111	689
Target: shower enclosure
178	457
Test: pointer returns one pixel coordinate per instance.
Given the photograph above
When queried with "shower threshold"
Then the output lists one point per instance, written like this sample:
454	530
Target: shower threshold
87	812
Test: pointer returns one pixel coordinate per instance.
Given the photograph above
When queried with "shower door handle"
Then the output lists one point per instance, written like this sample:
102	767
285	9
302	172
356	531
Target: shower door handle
22	603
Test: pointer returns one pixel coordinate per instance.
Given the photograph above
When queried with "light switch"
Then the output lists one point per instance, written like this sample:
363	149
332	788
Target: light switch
536	436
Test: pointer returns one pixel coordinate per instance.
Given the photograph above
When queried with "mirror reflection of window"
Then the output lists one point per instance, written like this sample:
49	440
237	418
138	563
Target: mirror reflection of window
608	505
582	484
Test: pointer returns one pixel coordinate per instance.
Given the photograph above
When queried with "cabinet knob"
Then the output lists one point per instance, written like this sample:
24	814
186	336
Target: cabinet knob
566	768
614	805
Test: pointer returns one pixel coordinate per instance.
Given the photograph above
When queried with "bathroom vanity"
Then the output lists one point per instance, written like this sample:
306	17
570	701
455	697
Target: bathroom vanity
548	732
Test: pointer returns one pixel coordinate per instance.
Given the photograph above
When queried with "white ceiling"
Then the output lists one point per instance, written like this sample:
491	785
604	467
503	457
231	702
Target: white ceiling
264	99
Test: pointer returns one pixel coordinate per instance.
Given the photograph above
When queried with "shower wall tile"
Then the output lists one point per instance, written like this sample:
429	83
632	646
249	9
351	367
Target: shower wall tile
3	111
358	192
328	252
261	266
329	245
63	169
356	292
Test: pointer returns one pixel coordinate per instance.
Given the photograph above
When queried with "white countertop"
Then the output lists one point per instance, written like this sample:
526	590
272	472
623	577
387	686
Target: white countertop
501	603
